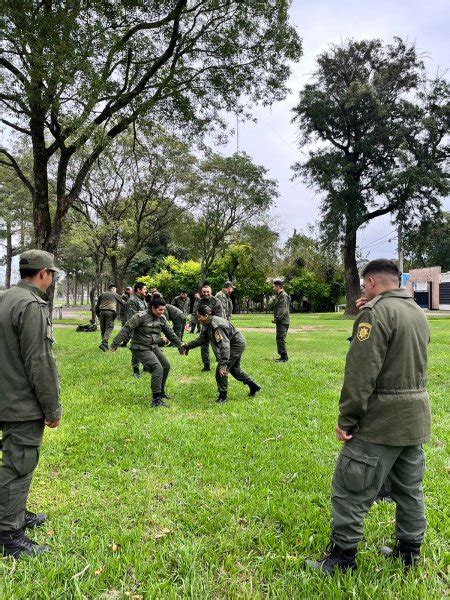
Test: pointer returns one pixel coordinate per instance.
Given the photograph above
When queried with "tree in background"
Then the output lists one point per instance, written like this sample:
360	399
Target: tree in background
429	244
77	74
230	192
378	141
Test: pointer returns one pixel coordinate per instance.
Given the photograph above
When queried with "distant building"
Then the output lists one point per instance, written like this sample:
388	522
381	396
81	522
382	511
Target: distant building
429	287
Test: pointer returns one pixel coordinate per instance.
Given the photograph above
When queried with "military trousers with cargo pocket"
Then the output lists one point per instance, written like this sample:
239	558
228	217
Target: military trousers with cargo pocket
233	368
21	441
153	361
361	469
106	318
281	333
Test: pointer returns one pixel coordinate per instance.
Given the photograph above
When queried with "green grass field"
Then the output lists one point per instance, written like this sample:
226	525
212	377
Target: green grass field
215	501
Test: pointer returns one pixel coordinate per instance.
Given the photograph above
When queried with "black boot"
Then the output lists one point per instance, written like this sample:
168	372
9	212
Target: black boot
337	558
158	401
206	368
222	397
254	387
33	519
283	358
165	396
409	552
16	543
136	372
104	346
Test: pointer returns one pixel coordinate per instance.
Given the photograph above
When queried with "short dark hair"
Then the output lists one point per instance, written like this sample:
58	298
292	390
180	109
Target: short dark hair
204	310
157	302
26	272
139	285
156	295
110	287
278	282
381	265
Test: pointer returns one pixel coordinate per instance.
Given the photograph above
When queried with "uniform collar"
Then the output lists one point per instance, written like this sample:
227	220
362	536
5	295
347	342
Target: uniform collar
397	293
23	283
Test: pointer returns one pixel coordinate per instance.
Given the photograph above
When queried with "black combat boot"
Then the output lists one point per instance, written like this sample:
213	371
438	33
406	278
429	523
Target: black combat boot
206	368
165	396
33	519
222	397
283	358
254	387
336	558
409	552
158	401
104	346
16	543
136	372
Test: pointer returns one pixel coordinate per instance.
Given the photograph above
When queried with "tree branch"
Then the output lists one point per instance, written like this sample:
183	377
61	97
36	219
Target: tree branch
14	165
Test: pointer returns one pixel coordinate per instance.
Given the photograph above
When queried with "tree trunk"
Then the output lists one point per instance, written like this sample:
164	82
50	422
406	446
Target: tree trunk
75	288
67	289
9	256
92	299
82	294
352	285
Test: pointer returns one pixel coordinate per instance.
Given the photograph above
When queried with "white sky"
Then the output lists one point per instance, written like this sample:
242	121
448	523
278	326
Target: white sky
272	140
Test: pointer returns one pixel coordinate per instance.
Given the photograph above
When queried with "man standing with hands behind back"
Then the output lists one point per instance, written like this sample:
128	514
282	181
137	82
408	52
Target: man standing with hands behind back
384	418
281	319
29	396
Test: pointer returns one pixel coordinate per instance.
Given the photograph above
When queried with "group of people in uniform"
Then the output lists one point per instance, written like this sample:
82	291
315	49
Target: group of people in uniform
384	412
145	318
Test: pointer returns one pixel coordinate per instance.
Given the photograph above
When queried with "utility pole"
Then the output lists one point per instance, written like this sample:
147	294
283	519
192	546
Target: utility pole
400	250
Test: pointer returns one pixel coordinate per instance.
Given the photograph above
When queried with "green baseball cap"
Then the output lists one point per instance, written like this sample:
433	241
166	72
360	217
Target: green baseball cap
38	259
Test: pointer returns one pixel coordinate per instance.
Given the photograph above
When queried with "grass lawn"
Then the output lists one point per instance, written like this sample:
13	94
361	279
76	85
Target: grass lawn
208	501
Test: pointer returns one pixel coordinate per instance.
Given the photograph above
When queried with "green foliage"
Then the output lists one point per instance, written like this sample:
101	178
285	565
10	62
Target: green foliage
215	502
429	244
174	276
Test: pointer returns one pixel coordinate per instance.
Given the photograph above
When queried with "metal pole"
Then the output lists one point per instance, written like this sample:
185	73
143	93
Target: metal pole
400	250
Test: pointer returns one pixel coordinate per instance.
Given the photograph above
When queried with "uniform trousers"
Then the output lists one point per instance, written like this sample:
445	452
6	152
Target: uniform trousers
154	361
361	469
233	368
106	318
281	333
21	441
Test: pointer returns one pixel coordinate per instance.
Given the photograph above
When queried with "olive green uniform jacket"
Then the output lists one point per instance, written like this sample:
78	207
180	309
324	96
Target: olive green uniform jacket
183	305
145	330
135	304
281	307
383	398
108	301
227	304
29	383
223	337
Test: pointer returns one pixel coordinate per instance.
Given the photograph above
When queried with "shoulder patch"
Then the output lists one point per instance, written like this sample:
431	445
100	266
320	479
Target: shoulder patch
217	335
364	331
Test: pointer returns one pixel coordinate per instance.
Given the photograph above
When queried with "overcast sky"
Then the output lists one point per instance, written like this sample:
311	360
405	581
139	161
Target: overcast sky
272	140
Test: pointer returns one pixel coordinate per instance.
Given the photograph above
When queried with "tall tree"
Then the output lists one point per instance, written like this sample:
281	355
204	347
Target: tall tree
77	73
429	244
231	191
378	144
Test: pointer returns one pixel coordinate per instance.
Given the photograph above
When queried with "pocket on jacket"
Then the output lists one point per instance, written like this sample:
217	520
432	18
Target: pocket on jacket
357	469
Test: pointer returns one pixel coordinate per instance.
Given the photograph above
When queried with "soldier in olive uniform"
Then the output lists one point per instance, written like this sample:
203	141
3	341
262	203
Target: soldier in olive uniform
228	345
29	395
281	318
144	329
225	299
194	322
122	308
183	303
106	311
384	418
207	299
136	303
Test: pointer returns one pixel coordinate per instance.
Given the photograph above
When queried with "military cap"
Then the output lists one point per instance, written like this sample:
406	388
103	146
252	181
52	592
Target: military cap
228	284
38	259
